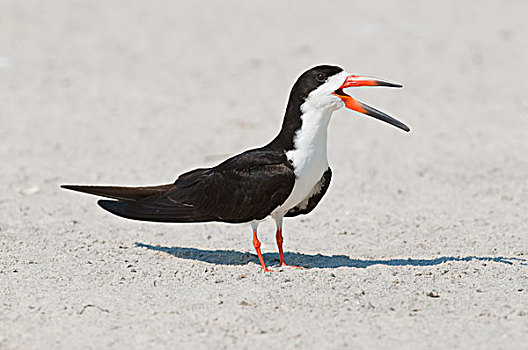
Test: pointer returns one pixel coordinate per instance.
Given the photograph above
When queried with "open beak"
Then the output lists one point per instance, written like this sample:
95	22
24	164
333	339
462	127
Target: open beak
351	103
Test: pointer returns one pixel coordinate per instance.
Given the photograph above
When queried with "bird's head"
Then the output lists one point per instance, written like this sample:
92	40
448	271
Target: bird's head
322	87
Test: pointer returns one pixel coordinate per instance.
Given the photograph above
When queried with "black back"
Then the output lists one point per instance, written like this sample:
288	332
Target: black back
246	187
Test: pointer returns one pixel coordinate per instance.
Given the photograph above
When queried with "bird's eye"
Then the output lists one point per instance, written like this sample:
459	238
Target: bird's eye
320	77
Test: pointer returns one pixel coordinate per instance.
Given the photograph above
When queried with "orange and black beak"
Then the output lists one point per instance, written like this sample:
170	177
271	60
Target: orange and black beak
351	103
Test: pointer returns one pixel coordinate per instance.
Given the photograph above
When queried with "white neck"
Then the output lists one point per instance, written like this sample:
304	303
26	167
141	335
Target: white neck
308	155
309	144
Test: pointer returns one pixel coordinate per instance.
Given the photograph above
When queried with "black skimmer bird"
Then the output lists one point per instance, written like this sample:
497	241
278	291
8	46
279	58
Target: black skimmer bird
285	178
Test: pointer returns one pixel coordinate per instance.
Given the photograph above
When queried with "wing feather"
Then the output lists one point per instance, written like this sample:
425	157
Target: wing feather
246	187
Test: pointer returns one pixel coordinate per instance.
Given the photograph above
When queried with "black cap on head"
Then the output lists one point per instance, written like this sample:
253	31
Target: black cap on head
313	78
305	84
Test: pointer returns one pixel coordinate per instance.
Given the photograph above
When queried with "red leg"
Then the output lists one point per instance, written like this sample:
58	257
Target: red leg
279	238
256	244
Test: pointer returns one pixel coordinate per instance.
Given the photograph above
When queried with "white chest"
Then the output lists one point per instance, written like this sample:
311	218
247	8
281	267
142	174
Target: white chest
308	156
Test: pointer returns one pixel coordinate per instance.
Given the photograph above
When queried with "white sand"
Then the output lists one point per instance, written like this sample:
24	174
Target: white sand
421	241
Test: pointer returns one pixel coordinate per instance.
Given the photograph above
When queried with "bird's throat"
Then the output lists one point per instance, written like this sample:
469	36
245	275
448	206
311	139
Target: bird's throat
308	155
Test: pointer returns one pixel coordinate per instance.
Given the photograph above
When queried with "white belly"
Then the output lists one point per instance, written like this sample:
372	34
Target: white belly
304	183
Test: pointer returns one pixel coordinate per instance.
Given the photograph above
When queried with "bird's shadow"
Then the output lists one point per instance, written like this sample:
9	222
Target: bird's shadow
231	257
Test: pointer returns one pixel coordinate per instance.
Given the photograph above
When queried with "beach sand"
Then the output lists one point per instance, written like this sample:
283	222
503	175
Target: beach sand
421	241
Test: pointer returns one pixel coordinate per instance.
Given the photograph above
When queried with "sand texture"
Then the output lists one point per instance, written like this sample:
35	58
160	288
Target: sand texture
420	243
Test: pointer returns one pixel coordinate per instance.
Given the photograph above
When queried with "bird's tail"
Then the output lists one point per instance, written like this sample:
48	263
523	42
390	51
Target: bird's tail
143	203
121	193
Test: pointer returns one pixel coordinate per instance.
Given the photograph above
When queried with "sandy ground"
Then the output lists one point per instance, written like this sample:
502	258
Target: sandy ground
421	241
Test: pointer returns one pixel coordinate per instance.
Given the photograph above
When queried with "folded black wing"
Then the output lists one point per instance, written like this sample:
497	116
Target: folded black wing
246	187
